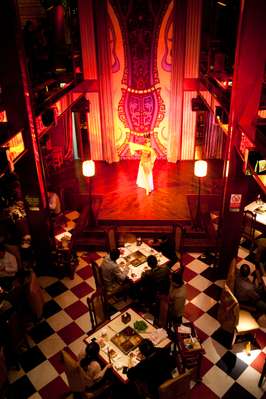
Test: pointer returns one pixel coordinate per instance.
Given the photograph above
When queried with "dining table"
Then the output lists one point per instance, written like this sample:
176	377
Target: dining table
120	337
134	257
259	209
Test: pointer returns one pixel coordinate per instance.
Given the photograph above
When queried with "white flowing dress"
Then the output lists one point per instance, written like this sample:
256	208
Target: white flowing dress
145	176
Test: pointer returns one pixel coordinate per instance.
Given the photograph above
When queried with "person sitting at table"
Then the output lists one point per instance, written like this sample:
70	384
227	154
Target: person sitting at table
177	298
260	256
248	292
154	282
114	277
153	370
94	374
8	267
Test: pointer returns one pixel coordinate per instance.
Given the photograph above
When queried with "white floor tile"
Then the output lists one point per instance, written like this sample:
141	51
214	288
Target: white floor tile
217	381
72	283
207	324
59	320
84	322
197	266
203	301
42	375
66	299
51	345
200	282
77	346
213	350
249	380
242	252
36	395
81	264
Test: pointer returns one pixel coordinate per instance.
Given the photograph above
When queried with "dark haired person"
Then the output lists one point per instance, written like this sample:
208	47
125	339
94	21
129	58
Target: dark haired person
248	292
90	364
154	282
153	370
177	298
114	276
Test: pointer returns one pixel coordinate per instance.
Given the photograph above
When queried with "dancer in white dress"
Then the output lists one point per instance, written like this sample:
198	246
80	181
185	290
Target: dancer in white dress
147	159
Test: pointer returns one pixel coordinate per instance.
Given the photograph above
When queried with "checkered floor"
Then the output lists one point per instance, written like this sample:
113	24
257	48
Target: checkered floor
225	374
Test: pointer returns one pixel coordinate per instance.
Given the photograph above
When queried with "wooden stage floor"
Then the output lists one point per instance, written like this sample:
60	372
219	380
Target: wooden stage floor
125	203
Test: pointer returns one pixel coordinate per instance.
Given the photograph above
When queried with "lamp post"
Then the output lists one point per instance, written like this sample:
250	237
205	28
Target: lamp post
200	170
88	170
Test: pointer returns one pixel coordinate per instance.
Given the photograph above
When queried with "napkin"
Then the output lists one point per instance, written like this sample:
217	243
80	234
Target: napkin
158	335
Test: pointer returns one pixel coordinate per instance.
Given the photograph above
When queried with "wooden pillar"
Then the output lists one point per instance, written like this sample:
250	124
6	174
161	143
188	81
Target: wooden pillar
17	97
247	83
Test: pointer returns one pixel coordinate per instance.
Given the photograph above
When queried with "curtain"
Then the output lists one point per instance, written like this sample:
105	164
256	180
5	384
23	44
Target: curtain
105	82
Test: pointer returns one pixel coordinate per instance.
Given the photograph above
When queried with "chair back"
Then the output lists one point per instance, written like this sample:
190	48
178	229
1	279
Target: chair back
74	373
35	296
97	309
228	312
176	388
248	225
111	239
231	275
97	274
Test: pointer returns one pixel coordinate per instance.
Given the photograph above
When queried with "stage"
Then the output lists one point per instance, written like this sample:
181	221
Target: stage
124	203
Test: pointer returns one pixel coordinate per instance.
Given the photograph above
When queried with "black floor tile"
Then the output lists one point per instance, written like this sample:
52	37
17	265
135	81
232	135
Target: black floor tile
236	391
56	289
21	389
32	358
231	365
51	308
208	258
213	311
210	273
41	331
223	337
214	292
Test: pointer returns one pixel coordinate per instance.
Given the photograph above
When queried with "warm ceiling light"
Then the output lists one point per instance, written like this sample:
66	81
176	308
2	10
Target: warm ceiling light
221	3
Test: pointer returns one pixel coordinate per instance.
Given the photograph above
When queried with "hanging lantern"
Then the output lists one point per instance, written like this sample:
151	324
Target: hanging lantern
88	168
200	168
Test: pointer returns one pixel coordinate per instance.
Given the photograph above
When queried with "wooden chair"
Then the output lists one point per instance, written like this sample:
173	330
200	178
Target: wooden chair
230	281
35	296
111	239
97	309
178	241
75	375
234	320
248	230
263	374
176	388
108	298
77	380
